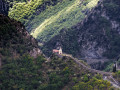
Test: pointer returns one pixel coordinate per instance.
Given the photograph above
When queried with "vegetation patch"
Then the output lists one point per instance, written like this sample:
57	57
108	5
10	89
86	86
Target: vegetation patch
50	21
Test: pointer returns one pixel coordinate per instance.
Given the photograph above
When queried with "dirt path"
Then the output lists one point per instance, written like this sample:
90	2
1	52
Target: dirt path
91	61
112	81
92	70
106	75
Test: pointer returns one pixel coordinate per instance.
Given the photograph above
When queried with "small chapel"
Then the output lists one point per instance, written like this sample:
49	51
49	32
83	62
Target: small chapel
57	51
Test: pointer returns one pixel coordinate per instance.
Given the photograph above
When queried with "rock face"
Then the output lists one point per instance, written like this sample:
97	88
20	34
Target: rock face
97	36
3	7
35	52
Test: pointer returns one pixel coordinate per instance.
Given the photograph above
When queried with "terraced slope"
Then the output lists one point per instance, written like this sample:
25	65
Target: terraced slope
63	15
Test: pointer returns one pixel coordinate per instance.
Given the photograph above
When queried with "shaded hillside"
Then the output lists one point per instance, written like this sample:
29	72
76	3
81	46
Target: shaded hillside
4	7
15	40
16	50
25	68
95	37
55	74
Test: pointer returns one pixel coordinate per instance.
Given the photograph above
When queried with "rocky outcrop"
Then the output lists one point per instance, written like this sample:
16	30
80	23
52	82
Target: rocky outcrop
35	52
99	32
4	7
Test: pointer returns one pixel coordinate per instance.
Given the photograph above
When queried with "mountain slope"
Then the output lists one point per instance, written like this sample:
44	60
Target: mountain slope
65	15
95	37
19	70
46	22
15	40
25	10
17	52
56	74
4	7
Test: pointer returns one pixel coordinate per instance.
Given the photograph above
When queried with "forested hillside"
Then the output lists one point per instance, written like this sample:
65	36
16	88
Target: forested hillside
24	67
46	19
26	10
97	36
81	30
4	7
14	39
